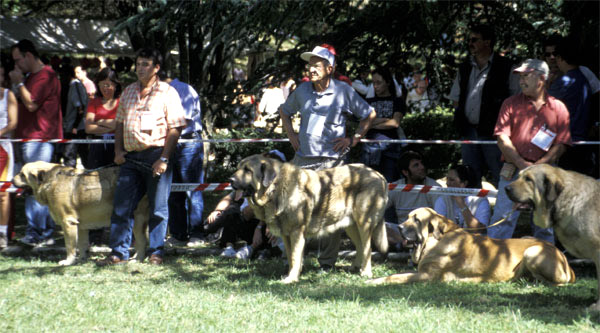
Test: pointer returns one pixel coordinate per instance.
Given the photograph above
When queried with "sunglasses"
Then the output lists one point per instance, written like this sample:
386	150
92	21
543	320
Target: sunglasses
548	54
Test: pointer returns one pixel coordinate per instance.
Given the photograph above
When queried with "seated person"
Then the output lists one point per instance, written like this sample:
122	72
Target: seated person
237	221
401	203
467	212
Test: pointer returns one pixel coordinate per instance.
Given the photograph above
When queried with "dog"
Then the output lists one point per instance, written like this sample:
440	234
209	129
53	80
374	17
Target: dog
567	201
446	252
297	203
78	201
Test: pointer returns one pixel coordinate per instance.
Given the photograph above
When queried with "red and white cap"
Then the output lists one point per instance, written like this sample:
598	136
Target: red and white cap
531	65
320	52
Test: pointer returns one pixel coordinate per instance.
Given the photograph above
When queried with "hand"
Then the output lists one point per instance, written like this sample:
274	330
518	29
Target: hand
340	144
158	168
74	131
257	238
294	141
16	76
212	217
119	157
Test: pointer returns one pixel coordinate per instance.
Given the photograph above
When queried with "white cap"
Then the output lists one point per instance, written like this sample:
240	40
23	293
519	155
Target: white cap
320	52
531	65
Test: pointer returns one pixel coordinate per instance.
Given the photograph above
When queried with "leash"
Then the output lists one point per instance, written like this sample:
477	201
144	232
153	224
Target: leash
502	220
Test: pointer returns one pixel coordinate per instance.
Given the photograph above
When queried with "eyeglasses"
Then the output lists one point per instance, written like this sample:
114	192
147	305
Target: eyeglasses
107	85
548	54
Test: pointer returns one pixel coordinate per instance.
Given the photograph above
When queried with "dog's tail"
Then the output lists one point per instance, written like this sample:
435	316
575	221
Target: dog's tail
379	238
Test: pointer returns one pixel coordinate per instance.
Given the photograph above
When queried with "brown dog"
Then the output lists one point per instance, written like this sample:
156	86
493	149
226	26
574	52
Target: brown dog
296	203
567	201
445	252
78	201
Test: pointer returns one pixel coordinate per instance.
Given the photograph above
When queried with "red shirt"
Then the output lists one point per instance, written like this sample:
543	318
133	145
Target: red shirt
46	121
100	112
519	120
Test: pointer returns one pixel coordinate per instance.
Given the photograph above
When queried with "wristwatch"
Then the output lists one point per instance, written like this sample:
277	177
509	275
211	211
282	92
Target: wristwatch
356	136
164	159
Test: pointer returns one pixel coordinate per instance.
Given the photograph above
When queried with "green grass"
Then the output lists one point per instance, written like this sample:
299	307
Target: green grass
196	294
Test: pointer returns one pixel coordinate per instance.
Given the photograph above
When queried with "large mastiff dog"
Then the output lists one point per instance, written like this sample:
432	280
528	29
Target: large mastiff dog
296	203
567	201
78	201
445	252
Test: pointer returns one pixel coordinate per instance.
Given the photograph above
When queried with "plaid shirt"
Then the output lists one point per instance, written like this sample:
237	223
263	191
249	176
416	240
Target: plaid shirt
161	107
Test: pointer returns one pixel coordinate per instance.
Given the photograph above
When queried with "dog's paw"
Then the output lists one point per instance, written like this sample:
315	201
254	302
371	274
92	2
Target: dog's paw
67	262
367	274
289	280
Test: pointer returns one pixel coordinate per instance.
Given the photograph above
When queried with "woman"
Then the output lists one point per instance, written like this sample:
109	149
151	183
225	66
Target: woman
100	118
382	156
8	122
467	212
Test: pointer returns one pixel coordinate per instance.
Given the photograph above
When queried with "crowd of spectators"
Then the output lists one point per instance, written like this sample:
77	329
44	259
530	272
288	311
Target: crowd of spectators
494	98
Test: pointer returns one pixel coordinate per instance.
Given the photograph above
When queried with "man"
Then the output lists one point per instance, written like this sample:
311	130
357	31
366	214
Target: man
149	122
38	90
185	208
573	89
321	143
532	128
414	172
480	86
90	87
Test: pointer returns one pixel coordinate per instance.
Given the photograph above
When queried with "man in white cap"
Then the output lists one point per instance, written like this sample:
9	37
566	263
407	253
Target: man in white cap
532	128
324	104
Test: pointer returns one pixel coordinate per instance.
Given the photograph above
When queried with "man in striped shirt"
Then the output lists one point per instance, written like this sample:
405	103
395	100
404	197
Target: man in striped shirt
149	122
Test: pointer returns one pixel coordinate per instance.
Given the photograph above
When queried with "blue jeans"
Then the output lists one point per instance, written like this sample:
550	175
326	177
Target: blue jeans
135	180
185	208
481	157
40	225
503	207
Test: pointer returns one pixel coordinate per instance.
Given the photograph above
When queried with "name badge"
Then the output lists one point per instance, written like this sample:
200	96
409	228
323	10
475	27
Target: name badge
543	138
147	121
315	124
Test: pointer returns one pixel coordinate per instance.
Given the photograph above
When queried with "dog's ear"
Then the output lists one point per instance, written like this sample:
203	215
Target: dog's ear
435	227
41	176
552	187
268	173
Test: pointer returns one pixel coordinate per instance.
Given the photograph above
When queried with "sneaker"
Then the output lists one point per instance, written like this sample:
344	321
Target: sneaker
29	241
229	252
264	255
215	237
244	253
196	241
3	240
174	242
46	242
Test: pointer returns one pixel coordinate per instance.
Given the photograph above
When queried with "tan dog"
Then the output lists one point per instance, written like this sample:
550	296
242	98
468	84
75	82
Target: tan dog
445	252
78	201
567	201
296	203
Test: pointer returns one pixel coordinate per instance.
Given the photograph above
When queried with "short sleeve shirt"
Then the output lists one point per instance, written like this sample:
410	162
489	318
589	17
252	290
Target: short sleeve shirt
519	120
405	202
323	115
146	120
99	111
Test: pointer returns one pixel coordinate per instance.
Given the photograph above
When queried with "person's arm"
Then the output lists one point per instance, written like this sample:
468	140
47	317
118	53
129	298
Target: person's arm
223	204
119	147
387	123
286	122
363	127
553	154
510	153
12	113
159	166
18	80
470	220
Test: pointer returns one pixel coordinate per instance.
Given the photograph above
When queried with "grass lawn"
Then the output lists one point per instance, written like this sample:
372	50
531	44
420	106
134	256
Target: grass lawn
195	293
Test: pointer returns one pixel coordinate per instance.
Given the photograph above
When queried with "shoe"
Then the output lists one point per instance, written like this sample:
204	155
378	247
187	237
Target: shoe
29	241
215	237
111	260
244	253
264	255
196	241
155	259
174	242
229	252
47	242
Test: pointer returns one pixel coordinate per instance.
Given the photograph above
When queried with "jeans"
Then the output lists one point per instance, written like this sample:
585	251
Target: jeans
503	207
135	180
185	208
40	225
480	157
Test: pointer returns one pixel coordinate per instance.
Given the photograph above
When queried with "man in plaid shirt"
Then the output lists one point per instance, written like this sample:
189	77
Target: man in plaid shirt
149	122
